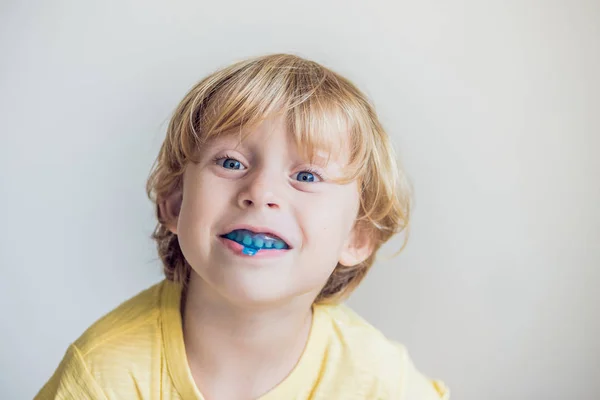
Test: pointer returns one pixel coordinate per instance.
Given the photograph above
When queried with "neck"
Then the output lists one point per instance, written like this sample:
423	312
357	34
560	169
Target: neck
227	342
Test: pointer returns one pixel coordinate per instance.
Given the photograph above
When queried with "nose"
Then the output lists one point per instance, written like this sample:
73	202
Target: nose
262	189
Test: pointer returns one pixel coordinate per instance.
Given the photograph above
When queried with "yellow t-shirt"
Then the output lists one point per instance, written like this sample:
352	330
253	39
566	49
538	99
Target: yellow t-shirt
137	352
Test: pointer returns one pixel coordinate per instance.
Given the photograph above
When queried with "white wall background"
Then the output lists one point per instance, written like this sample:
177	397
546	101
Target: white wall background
493	105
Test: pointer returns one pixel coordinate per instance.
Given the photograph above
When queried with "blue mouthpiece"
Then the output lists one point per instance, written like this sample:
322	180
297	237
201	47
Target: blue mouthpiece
250	250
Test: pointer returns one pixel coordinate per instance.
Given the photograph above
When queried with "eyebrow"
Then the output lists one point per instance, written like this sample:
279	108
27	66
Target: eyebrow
322	158
326	160
224	139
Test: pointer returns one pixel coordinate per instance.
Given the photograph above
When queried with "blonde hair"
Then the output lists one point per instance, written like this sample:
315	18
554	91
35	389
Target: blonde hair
316	102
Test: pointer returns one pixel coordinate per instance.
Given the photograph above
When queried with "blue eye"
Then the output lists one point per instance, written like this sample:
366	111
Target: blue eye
306	176
231	163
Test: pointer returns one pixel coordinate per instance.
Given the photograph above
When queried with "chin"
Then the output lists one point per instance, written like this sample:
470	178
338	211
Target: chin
251	288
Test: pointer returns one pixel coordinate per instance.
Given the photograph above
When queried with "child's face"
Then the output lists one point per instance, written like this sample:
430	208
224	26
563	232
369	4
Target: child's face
264	184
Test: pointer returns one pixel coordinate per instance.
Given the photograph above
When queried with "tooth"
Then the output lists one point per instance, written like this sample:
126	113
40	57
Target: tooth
279	245
239	235
268	244
247	241
258	242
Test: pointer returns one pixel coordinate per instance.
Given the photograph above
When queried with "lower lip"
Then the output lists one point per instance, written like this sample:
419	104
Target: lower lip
238	249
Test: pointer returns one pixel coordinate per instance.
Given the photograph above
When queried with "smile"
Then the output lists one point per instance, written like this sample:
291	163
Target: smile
253	242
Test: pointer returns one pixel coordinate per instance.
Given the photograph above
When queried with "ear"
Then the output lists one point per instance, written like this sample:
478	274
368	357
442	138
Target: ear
357	248
169	209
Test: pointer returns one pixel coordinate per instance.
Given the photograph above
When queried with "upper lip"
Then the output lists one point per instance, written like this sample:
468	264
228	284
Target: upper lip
258	229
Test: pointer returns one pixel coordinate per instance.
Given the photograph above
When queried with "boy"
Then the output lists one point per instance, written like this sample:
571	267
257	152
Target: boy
274	188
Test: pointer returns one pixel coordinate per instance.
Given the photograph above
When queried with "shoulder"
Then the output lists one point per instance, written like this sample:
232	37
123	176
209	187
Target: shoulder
366	347
116	347
71	380
128	318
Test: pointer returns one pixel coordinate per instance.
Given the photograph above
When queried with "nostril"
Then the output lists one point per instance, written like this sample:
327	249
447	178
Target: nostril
247	202
272	205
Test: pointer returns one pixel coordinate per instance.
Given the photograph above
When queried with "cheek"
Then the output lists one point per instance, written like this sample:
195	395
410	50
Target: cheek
199	209
189	231
203	194
331	220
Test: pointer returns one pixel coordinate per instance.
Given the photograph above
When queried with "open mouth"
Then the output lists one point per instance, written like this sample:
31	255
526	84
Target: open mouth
253	242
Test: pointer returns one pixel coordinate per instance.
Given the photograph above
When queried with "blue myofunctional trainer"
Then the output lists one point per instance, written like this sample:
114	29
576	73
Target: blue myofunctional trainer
253	242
